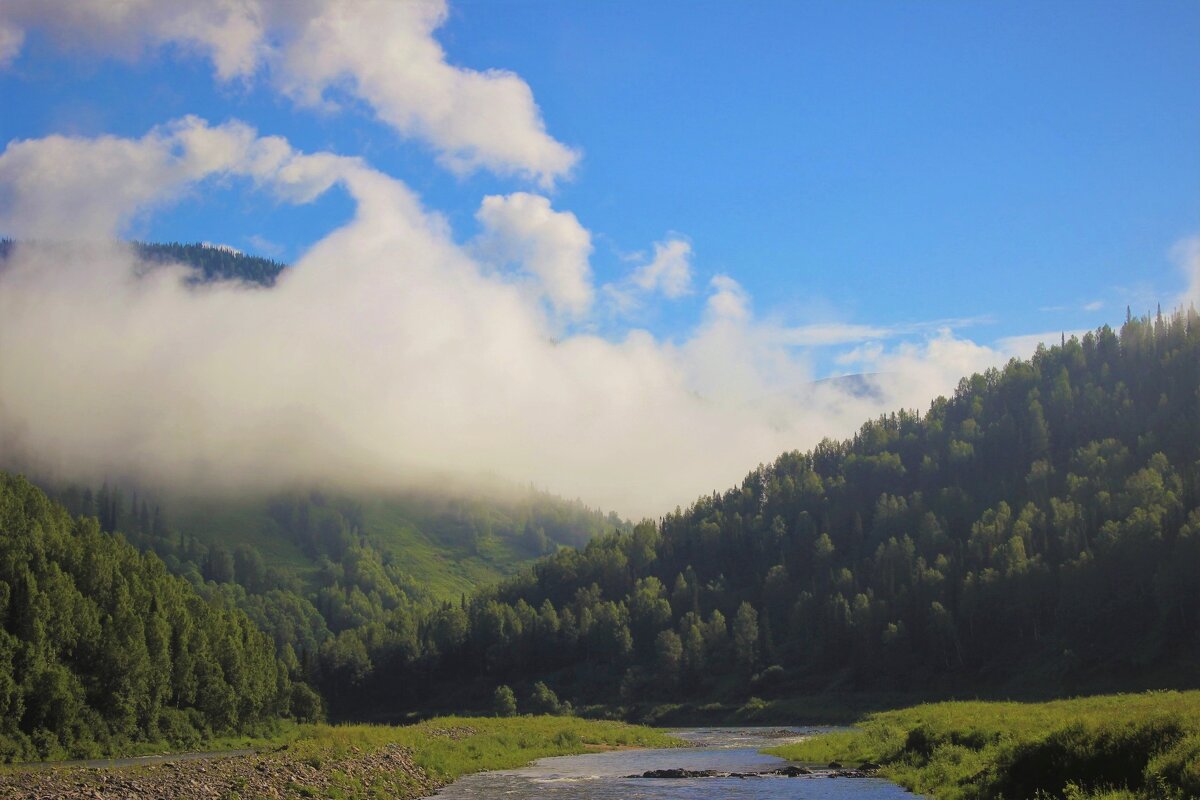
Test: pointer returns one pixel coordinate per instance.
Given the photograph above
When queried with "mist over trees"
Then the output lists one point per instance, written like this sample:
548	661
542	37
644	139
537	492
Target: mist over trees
211	262
347	602
1040	526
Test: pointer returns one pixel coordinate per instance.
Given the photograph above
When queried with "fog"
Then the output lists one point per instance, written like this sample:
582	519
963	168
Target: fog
391	354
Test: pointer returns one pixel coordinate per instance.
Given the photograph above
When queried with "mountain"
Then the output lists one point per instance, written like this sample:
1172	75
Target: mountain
1040	529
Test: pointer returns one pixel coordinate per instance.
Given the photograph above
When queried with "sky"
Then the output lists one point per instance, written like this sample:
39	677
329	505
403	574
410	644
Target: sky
609	248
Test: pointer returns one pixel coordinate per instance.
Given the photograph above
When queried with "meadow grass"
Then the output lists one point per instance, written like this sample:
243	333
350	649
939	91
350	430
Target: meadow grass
1110	747
447	747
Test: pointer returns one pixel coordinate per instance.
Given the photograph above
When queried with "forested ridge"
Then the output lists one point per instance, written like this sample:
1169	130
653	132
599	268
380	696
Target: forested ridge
212	262
1040	525
101	648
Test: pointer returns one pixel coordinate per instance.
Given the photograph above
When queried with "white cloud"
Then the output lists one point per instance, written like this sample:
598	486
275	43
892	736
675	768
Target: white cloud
63	187
388	354
384	53
551	245
1186	254
729	301
863	354
11	41
832	333
227	31
263	246
225	248
1094	305
669	272
381	53
1026	345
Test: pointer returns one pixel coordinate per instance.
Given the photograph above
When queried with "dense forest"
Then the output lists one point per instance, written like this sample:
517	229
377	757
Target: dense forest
340	582
117	630
101	648
1040	526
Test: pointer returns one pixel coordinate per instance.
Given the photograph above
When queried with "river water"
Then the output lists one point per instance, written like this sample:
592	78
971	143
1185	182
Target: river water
604	776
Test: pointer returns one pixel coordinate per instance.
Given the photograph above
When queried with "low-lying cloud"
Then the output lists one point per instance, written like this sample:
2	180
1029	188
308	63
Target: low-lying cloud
389	352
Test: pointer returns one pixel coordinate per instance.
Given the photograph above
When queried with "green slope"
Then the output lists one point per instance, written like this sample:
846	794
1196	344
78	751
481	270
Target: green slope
441	545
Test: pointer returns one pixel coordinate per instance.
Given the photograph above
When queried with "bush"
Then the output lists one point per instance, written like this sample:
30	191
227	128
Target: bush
306	704
1177	771
1112	755
543	700
504	702
176	727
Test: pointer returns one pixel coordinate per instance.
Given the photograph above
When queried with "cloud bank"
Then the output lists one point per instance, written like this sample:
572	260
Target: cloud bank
389	352
1186	254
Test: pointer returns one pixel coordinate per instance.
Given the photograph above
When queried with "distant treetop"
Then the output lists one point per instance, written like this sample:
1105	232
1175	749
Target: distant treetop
211	262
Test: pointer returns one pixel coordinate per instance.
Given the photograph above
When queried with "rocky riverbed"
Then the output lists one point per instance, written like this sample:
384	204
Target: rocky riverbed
277	774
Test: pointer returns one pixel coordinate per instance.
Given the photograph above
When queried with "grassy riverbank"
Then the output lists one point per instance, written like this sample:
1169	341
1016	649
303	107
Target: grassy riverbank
447	747
1111	747
347	762
817	709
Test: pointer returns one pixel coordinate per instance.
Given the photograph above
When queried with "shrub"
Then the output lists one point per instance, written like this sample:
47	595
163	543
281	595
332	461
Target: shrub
504	702
543	700
1108	755
306	704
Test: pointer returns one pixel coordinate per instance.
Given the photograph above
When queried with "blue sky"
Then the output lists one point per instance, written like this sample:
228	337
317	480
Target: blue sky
867	162
869	174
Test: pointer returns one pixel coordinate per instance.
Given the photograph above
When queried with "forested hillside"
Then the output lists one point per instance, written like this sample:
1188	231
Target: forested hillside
1040	526
339	582
101	648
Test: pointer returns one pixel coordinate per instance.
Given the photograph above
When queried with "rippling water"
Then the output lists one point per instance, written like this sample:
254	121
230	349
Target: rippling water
602	776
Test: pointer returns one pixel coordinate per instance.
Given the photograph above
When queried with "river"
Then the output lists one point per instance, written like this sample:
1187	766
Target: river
605	776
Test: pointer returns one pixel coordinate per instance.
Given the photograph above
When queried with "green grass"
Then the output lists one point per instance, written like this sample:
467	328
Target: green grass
441	568
1115	747
447	747
235	521
363	762
445	571
832	708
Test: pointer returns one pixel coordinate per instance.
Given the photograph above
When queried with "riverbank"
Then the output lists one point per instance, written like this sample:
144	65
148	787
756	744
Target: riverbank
1110	747
814	709
344	761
